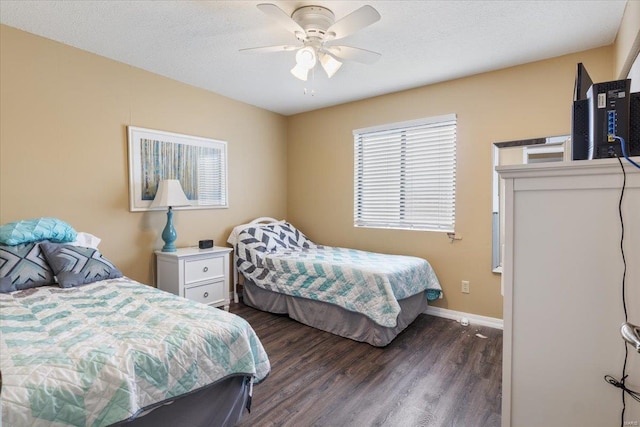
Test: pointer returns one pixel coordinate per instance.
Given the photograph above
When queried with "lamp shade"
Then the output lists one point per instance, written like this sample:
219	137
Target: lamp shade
330	64
300	72
170	194
306	57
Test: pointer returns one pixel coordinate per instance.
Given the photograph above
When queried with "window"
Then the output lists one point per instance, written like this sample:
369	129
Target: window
212	177
405	175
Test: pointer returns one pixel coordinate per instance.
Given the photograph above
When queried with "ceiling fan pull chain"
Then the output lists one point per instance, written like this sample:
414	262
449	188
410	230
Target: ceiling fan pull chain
313	81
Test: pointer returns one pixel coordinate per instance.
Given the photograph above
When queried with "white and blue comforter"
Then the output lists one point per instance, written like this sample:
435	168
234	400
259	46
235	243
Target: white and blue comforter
280	258
101	353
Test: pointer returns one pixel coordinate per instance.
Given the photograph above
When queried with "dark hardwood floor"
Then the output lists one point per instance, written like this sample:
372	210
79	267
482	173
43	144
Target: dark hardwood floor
435	373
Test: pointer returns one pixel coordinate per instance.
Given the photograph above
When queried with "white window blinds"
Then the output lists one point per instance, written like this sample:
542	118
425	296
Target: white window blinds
405	175
212	178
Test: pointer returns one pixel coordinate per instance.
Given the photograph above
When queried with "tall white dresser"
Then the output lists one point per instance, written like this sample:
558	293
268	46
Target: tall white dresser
562	278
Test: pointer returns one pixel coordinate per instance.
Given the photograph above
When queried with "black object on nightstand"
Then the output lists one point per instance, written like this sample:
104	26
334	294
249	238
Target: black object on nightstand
205	244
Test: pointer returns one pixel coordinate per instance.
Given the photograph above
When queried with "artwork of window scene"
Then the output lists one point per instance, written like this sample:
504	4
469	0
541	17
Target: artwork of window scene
199	169
200	164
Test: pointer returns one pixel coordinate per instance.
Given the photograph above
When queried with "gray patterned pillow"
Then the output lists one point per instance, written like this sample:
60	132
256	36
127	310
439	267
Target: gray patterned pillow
23	267
76	265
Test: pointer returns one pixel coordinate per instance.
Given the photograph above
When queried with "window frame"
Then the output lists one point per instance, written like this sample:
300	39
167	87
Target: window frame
418	220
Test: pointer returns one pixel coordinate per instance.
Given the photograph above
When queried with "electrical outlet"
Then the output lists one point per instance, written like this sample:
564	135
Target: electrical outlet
465	286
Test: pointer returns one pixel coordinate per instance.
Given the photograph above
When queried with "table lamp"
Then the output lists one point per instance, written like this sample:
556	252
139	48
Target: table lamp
169	194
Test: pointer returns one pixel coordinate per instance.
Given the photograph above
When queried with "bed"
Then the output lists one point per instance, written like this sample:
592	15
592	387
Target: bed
364	296
95	348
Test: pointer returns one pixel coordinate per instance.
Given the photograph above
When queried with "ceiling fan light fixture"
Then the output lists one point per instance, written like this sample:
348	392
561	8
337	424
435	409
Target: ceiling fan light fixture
314	26
306	57
330	64
300	72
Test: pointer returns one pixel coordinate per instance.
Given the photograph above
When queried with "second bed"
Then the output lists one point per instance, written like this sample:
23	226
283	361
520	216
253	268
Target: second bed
364	296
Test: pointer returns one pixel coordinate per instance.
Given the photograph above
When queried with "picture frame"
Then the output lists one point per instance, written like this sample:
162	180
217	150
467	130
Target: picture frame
200	164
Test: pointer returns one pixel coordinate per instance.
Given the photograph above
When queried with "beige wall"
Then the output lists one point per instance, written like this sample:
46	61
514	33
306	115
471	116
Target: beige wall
63	152
527	101
63	148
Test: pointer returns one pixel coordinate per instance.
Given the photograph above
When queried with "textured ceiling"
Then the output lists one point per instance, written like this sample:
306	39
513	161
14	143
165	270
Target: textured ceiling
421	42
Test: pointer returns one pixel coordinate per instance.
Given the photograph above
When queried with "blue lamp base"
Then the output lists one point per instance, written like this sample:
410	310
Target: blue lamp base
169	234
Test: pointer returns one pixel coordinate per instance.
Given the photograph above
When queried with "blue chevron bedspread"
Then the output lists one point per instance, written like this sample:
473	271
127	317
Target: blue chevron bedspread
100	353
280	258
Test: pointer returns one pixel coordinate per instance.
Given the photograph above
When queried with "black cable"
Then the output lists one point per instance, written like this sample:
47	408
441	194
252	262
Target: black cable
624	260
624	298
608	378
611	380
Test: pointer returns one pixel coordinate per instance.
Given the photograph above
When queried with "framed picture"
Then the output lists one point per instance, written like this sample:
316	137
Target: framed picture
200	164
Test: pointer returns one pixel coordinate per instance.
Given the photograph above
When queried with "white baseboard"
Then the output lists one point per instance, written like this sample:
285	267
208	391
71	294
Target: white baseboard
474	319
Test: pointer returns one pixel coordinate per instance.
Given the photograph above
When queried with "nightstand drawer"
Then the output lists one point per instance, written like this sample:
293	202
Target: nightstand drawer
203	269
206	294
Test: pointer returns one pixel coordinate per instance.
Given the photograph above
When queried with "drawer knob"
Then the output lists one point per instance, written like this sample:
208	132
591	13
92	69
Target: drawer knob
205	269
206	294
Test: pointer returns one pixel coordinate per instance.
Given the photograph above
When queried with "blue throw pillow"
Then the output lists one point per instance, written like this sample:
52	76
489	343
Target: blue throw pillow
34	230
76	265
23	267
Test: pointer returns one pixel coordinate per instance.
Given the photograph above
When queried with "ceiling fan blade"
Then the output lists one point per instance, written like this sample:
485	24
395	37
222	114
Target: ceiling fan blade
354	54
356	20
281	16
269	49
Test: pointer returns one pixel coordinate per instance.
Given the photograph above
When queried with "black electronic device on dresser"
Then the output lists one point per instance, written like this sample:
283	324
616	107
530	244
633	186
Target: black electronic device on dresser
580	130
608	118
633	145
580	115
601	112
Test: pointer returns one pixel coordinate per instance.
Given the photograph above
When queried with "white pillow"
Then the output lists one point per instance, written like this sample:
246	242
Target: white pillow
86	240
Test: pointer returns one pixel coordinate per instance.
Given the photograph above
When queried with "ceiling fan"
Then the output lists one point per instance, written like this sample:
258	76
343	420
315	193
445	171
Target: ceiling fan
315	27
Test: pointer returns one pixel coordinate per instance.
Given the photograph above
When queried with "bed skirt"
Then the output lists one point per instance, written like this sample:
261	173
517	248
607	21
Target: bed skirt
220	404
331	318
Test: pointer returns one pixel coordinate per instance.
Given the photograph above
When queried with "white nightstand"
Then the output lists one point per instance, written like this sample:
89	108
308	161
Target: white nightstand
197	274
